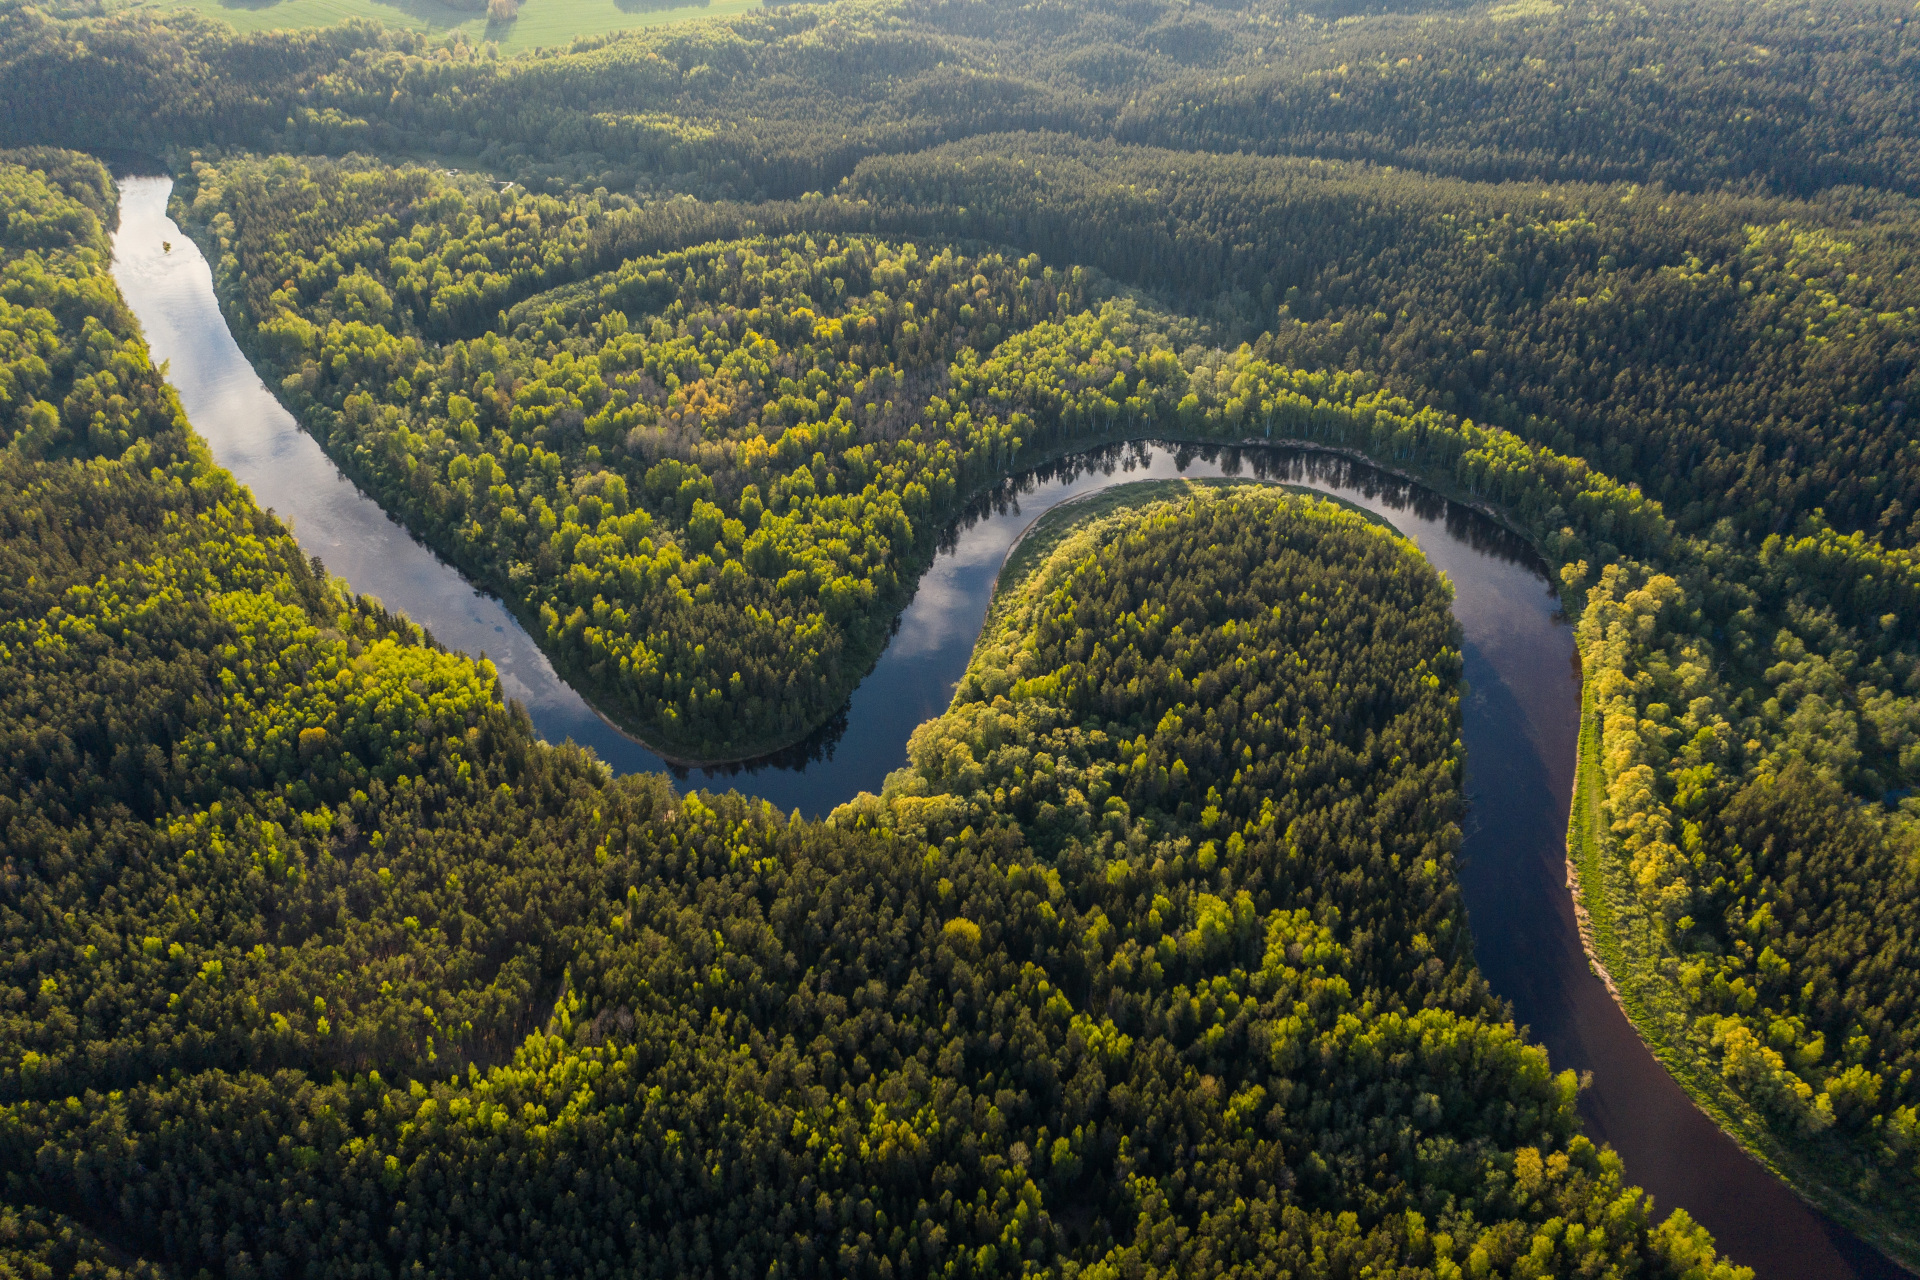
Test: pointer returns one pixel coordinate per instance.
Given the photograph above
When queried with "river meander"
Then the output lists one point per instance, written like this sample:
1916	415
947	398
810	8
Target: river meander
1521	714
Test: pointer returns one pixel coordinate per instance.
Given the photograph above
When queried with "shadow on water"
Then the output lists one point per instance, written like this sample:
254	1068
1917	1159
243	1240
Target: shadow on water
1520	716
131	164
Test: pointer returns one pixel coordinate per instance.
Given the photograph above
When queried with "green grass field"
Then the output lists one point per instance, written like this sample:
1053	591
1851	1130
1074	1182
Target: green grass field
541	22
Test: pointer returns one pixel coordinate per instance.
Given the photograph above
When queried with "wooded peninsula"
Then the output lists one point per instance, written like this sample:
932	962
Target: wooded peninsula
691	343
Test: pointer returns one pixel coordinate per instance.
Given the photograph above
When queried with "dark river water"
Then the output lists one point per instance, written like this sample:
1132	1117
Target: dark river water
1521	716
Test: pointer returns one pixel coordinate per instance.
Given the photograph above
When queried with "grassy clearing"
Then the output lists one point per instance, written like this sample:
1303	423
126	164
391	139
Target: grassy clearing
541	23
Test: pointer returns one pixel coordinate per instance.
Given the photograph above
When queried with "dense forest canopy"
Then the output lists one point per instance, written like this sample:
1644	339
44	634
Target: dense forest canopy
1692	94
707	477
1739	357
1151	963
736	454
1783	97
728	319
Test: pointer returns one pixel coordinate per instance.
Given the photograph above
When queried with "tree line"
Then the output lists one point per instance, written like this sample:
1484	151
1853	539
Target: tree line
784	102
706	477
318	962
1799	649
1689	385
1736	356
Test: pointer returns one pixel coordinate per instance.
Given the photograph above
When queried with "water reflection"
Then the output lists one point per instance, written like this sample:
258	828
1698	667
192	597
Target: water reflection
934	637
1520	716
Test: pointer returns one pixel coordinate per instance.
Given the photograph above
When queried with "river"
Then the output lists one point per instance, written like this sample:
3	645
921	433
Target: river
1520	718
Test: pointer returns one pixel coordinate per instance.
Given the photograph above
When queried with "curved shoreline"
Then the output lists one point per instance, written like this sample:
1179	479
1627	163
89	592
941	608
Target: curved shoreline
1521	711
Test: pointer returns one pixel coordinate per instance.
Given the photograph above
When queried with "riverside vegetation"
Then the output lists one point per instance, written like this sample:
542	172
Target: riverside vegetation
1642	279
1753	644
1152	962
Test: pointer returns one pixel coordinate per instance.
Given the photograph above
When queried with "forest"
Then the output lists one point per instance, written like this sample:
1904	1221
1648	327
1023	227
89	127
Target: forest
1689	94
725	322
698	475
655	477
318	961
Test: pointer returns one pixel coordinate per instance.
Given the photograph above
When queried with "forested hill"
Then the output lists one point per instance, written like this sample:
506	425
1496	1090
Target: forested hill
315	961
724	321
1740	357
1692	94
706	474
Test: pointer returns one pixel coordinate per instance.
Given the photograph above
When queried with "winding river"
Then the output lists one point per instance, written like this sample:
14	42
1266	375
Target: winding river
1520	717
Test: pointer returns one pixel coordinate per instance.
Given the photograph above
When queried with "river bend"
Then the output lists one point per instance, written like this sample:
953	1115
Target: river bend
1520	723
